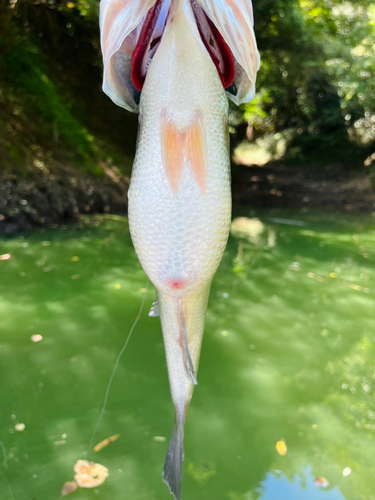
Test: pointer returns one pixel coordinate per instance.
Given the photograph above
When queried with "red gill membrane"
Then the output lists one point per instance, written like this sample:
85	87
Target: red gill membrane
151	33
216	46
146	46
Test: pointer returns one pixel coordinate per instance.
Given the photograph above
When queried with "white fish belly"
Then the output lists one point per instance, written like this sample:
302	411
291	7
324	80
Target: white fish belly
180	237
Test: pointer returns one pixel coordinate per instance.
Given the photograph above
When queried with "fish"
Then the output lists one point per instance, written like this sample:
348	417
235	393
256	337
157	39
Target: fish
176	63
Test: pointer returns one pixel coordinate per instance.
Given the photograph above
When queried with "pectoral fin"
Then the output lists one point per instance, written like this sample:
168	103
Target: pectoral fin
120	27
234	21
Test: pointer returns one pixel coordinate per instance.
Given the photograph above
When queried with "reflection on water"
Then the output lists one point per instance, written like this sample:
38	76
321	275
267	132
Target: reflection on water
277	486
288	353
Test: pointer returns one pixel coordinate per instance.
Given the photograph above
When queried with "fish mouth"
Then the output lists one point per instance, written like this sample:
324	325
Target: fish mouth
151	34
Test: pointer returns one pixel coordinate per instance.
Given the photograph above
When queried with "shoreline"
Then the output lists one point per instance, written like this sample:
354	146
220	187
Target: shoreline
45	198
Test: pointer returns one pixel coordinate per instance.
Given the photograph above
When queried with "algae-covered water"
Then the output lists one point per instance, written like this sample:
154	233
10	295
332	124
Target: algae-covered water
288	354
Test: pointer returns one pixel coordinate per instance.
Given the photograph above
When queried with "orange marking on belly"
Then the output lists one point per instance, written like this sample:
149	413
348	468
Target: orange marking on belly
180	144
196	149
172	151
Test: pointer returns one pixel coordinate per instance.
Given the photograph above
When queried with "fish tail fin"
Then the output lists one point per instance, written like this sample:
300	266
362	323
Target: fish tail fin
172	472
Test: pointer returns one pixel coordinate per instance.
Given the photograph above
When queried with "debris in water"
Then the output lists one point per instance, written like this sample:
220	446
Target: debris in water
295	266
20	427
316	277
5	256
281	447
159	439
288	222
89	475
36	337
347	471
321	482
106	442
75	276
75	258
68	488
117	286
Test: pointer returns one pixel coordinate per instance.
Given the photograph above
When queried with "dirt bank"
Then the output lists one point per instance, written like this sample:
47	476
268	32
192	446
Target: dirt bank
49	197
61	194
277	186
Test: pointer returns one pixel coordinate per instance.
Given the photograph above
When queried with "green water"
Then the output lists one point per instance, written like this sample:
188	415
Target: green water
288	353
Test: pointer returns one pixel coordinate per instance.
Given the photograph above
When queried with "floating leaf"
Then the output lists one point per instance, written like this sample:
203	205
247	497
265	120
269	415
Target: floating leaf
106	442
281	448
321	482
5	256
68	488
89	475
75	258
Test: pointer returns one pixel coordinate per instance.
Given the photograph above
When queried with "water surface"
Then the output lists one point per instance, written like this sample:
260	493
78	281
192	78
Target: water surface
288	353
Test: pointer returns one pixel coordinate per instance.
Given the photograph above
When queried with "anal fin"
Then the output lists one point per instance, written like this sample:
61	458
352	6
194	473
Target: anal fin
155	309
172	472
188	362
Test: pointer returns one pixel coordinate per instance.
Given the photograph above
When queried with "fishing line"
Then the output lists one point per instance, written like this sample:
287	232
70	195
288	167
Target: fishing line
4	454
116	365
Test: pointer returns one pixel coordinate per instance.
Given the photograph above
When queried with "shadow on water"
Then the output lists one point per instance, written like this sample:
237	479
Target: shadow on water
289	352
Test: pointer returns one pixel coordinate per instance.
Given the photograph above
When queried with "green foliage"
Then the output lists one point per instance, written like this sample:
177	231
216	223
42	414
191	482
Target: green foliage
51	105
315	89
317	76
28	85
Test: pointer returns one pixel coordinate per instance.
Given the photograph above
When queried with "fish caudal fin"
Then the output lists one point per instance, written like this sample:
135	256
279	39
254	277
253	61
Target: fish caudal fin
172	472
188	362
